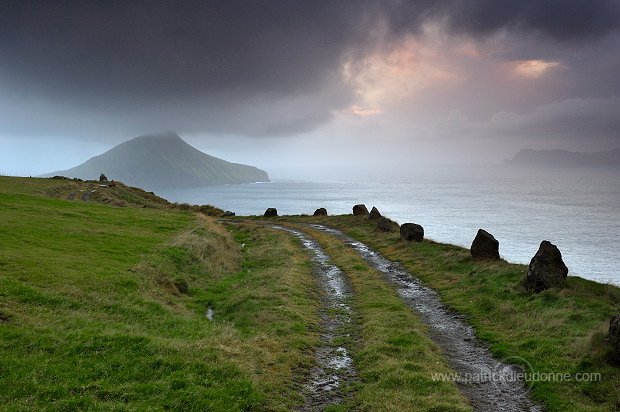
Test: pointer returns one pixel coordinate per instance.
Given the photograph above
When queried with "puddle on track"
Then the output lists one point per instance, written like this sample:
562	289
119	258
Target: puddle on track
489	386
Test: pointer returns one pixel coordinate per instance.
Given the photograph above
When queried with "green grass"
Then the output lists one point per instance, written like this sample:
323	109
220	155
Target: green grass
103	308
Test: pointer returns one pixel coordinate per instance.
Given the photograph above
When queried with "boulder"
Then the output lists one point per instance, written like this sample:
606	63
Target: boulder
271	212
485	246
547	269
320	212
360	210
103	178
374	213
614	332
384	224
411	232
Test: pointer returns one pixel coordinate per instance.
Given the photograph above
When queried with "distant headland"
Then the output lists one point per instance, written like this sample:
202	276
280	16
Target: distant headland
565	158
163	161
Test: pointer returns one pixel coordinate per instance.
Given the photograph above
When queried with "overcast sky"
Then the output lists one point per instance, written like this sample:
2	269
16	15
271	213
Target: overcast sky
295	85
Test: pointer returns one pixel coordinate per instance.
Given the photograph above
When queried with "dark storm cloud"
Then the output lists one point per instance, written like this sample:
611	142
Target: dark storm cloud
557	19
163	60
163	48
245	67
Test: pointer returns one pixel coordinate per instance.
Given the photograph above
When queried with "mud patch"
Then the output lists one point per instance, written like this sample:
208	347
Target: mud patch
4	318
484	380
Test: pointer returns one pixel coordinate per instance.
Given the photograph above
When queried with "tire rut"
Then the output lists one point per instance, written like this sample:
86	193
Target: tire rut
489	384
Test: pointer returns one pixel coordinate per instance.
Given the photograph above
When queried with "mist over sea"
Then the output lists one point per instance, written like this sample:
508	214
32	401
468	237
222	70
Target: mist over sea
576	209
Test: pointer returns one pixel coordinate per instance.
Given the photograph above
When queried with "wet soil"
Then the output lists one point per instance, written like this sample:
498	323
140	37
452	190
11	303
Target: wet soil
489	384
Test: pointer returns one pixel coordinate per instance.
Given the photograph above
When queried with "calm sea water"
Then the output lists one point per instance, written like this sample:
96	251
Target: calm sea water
578	210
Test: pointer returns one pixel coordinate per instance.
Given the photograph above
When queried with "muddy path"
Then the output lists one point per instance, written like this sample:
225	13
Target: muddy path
334	370
488	383
85	193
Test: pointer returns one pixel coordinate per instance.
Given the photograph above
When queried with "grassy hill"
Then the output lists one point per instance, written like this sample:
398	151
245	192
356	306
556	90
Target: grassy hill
113	194
104	308
163	161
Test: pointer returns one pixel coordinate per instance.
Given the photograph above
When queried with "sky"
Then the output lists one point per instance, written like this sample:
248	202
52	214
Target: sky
297	87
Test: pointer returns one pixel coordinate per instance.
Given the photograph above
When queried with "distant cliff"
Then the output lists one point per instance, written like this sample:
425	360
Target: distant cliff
560	158
163	161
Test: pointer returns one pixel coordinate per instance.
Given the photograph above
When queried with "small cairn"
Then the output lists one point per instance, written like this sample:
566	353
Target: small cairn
547	269
102	178
360	210
485	246
411	232
271	212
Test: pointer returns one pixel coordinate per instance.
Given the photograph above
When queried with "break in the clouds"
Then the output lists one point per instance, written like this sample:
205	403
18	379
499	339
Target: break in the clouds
417	70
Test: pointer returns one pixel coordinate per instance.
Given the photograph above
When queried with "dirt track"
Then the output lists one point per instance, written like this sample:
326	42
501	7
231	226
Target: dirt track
488	383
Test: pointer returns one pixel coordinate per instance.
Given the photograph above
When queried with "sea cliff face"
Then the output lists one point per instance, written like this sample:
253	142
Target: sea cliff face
163	161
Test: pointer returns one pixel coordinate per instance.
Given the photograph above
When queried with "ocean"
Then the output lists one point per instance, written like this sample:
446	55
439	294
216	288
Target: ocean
578	210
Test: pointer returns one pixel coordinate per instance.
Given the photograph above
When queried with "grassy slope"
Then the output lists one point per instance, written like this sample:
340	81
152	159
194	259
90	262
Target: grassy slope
557	331
103	308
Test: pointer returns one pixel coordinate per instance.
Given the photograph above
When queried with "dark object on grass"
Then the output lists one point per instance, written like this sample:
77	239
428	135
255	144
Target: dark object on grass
614	333
374	213
228	213
547	269
103	178
320	212
182	286
485	246
384	224
360	210
411	232
271	212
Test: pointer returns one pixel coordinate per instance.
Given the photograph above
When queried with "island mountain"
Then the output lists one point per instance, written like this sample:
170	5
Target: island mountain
561	158
161	162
